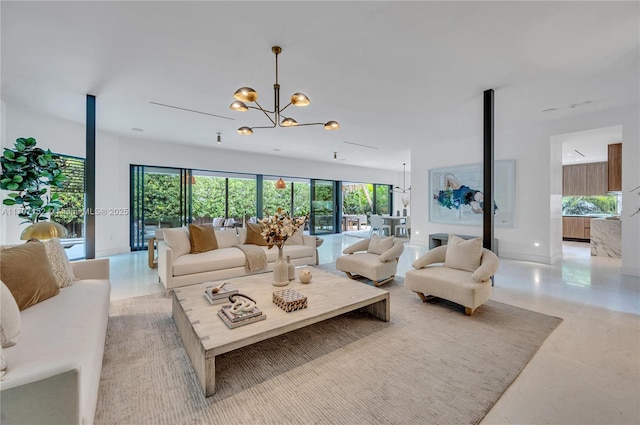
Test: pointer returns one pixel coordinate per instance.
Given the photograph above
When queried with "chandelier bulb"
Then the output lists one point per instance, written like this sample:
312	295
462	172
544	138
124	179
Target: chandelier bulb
331	125
239	106
300	99
245	131
289	122
246	94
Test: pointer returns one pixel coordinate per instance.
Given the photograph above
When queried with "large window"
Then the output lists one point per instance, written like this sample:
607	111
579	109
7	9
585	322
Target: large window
242	197
208	196
71	215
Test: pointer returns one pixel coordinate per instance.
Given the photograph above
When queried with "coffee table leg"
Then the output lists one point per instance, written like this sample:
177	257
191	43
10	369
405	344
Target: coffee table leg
381	309
210	376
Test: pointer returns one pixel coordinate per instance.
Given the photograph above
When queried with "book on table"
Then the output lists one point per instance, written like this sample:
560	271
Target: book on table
223	293
233	320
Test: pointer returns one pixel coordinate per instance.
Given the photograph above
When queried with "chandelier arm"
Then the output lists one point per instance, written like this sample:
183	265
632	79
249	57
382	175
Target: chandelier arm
311	123
289	104
267	115
264	126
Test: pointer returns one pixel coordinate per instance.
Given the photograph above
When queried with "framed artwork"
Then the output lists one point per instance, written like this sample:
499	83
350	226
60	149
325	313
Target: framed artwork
456	194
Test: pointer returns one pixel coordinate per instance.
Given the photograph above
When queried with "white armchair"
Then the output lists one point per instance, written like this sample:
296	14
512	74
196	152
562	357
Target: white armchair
460	272
375	258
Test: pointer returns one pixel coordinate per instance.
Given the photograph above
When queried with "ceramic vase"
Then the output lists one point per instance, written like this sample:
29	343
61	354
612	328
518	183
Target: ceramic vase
280	271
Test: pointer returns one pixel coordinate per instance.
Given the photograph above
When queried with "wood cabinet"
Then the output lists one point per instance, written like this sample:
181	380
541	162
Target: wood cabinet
584	179
576	227
574	180
615	167
596	178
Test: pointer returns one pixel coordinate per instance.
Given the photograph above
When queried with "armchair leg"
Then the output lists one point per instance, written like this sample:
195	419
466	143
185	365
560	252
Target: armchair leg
427	298
350	276
468	311
382	282
422	297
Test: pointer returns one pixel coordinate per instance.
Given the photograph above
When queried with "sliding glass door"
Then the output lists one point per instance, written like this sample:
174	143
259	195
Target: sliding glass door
323	206
158	200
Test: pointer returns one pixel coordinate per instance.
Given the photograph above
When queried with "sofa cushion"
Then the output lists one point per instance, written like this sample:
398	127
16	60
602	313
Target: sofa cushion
9	318
254	235
227	238
26	272
178	240
59	262
378	245
218	259
202	237
463	254
296	238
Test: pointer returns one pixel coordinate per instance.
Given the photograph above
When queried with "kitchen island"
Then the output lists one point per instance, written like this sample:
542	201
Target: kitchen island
606	237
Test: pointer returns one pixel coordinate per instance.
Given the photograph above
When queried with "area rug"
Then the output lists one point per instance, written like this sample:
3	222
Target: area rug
430	364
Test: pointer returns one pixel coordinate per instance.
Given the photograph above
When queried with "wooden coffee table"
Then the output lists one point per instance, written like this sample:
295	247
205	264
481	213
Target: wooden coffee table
205	336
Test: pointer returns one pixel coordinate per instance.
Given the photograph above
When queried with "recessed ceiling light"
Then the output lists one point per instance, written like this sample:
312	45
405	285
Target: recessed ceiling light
136	129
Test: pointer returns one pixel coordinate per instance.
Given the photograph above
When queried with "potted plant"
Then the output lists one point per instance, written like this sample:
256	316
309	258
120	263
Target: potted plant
27	171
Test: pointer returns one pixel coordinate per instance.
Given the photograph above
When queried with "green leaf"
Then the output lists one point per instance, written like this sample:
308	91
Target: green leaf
13	195
9	154
5	181
21	159
18	179
20	146
12	186
9	202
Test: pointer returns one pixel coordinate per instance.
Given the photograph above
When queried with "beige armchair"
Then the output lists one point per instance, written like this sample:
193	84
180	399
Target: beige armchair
375	258
456	279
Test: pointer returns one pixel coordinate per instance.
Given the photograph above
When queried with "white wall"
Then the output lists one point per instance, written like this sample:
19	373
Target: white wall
538	216
114	154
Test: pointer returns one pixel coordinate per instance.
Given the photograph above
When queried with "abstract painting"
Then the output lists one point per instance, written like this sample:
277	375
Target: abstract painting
456	194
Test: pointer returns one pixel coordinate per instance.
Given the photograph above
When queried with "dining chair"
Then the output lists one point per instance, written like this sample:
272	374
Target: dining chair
405	228
377	225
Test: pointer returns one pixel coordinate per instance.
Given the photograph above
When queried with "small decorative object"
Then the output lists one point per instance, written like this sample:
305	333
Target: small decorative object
218	293
305	276
276	230
405	201
289	300
290	268
242	312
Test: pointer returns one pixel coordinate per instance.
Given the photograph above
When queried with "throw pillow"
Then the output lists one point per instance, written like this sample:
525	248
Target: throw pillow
227	238
178	240
296	238
463	254
203	238
9	318
59	262
378	245
26	272
254	235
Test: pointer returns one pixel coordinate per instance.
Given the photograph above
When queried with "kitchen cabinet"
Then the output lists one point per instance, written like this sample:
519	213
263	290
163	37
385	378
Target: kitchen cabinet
574	180
576	227
615	167
585	179
596	178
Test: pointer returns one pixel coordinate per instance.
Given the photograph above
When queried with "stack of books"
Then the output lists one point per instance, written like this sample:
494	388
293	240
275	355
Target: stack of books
221	295
233	320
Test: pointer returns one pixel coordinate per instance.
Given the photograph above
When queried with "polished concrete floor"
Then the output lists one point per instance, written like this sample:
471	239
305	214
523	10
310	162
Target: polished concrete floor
588	370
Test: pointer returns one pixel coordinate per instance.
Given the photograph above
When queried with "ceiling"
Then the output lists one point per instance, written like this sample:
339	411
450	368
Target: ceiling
396	75
588	146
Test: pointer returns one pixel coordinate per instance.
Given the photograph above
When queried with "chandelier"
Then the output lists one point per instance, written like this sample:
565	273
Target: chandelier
404	188
246	95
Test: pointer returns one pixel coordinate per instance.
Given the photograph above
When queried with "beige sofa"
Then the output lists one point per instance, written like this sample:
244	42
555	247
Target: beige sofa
178	267
53	371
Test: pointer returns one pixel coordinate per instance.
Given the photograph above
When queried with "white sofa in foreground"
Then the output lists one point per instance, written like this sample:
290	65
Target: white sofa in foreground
178	267
53	371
